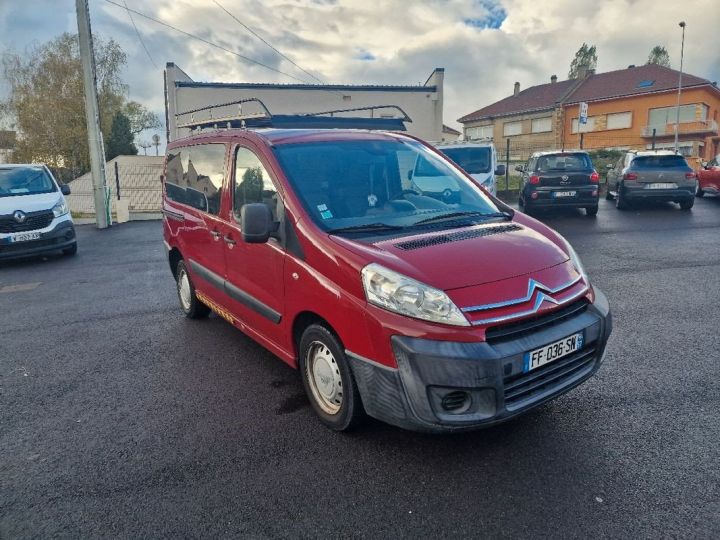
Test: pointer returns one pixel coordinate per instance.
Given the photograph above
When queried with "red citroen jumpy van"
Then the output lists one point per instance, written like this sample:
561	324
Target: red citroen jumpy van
433	310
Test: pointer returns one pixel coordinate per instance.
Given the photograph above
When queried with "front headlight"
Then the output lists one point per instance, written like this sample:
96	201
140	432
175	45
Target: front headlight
577	263
60	209
395	292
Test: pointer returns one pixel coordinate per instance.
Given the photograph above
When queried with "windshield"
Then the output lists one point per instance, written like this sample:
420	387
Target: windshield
473	160
564	162
659	162
25	181
370	184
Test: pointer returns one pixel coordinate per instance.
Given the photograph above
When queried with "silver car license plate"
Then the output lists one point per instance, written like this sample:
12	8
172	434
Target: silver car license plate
661	185
558	194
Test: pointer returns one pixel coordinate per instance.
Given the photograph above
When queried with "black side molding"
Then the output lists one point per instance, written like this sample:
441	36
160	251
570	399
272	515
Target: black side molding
235	292
173	215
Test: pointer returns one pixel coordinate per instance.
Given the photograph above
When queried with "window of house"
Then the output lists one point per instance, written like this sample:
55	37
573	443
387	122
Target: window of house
479	132
542	125
253	183
584	128
621	120
667	115
194	176
512	128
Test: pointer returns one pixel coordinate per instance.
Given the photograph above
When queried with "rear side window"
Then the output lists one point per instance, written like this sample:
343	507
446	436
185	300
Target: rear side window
563	162
659	162
194	176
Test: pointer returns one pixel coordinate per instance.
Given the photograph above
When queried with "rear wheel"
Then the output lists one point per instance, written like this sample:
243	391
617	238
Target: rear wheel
687	204
698	191
621	199
591	211
328	380
608	194
191	306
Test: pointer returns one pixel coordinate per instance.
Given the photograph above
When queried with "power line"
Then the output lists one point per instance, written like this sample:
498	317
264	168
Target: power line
138	34
246	27
247	59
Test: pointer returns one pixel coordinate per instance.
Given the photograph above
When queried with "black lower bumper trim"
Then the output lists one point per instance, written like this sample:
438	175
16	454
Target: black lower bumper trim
61	237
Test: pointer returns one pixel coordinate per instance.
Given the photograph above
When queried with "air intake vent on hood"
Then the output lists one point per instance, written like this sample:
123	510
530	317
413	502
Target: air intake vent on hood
454	237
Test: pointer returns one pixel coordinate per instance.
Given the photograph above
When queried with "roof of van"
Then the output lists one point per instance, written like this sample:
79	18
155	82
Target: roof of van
288	136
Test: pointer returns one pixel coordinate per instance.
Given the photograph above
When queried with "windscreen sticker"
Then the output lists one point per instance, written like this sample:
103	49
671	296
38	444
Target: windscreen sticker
322	207
327	214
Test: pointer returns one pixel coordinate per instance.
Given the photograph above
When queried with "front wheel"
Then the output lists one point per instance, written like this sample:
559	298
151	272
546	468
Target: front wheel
70	251
191	306
328	380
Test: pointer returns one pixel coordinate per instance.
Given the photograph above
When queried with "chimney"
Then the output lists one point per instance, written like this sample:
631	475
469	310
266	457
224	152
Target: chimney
553	79
516	91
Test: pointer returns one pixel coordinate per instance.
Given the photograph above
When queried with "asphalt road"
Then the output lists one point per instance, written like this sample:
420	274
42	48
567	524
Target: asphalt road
121	418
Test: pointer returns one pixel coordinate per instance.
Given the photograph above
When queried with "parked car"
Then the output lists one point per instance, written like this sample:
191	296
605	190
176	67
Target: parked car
429	312
709	178
478	159
34	217
559	179
659	175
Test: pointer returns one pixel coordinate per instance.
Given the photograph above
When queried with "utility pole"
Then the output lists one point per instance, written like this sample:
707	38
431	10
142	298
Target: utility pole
92	115
677	112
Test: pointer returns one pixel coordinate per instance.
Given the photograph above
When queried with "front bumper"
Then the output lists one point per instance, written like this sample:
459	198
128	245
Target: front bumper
60	234
489	373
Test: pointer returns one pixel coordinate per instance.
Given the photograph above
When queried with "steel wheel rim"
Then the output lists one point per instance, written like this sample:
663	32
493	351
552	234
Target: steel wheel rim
184	290
323	375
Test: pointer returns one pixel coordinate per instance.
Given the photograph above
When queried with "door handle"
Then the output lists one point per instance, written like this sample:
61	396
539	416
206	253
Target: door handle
229	241
215	234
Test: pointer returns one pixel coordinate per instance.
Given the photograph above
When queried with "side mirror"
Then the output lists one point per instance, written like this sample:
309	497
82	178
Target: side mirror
256	223
520	168
64	189
500	171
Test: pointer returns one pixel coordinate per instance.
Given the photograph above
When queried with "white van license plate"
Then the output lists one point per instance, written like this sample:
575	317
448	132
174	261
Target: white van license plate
24	237
558	194
553	351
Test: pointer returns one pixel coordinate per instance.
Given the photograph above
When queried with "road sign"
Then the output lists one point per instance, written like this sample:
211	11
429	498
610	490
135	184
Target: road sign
583	112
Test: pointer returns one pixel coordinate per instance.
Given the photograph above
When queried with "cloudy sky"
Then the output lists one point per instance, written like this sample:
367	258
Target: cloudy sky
484	45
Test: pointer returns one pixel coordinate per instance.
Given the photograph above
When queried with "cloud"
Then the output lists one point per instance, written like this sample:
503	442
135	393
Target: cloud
484	45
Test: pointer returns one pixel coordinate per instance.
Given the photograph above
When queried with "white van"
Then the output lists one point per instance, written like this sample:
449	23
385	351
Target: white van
34	216
478	159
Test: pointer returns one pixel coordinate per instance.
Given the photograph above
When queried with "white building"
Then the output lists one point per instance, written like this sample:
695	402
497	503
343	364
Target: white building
422	103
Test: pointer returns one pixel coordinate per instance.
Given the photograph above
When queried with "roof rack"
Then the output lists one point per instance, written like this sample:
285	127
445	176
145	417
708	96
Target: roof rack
261	117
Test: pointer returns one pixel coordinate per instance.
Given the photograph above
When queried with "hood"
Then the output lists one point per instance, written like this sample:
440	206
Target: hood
29	203
456	258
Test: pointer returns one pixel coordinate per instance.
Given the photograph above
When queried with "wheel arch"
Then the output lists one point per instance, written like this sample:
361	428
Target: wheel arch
302	321
174	257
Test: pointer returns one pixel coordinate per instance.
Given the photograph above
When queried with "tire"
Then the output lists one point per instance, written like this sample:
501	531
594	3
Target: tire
189	303
524	207
70	251
328	379
608	195
687	204
699	192
591	211
620	199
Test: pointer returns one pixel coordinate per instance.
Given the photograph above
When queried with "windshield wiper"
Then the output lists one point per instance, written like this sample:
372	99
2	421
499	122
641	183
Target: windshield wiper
455	215
370	227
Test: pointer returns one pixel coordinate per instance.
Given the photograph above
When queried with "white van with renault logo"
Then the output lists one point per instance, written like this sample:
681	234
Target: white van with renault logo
34	216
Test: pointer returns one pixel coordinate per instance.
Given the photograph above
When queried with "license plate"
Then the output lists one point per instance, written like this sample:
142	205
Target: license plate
553	351
558	194
24	237
661	185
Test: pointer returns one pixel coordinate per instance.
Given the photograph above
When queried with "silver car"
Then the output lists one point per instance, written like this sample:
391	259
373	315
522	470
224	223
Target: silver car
659	175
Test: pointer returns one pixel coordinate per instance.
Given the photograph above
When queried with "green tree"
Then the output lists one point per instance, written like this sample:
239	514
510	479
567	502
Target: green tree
46	101
585	59
659	55
120	140
140	118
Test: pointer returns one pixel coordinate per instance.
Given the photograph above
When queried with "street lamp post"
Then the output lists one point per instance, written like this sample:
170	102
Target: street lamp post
677	110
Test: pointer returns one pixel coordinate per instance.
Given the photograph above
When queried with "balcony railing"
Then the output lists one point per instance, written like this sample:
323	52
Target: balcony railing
685	128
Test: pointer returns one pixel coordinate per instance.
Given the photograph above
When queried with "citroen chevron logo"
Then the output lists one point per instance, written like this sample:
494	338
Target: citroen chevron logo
532	287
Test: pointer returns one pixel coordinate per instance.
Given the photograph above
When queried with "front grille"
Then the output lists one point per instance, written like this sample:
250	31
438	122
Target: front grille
518	329
32	244
33	222
454	237
519	389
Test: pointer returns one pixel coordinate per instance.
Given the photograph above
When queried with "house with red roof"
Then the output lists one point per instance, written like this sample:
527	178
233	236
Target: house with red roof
633	108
